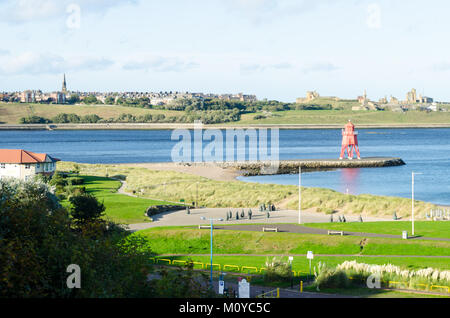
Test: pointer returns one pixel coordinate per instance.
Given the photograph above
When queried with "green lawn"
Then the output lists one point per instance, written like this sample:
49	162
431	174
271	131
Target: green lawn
422	228
323	117
180	240
120	208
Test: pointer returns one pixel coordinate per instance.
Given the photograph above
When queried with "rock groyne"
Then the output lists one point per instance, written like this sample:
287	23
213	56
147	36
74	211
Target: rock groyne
292	166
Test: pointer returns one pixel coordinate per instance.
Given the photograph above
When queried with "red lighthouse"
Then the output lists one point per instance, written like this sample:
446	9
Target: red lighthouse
349	141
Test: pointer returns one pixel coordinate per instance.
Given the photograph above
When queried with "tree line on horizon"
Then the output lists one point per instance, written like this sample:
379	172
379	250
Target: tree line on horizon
209	111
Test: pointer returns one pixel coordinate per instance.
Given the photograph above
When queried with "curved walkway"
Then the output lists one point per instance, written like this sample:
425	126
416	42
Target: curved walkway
181	218
285	221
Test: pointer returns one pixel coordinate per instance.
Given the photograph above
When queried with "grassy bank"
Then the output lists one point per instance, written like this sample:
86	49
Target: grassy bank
425	229
193	241
342	116
175	186
11	113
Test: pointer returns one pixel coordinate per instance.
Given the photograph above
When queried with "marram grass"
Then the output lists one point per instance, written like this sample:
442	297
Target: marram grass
175	186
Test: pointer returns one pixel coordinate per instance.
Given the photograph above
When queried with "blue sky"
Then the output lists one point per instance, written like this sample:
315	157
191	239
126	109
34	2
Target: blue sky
276	49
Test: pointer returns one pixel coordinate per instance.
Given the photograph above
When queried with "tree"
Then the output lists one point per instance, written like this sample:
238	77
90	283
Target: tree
90	119
38	242
91	99
110	100
86	209
64	118
73	99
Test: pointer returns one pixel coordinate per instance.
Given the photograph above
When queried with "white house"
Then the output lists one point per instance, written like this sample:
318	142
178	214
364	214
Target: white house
22	164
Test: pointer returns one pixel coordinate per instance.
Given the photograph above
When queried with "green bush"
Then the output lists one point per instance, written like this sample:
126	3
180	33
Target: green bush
330	278
75	181
277	270
58	181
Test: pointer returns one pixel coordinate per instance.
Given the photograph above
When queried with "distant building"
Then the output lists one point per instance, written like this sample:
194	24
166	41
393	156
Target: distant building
363	99
310	96
411	97
426	100
24	165
64	85
394	100
27	97
58	97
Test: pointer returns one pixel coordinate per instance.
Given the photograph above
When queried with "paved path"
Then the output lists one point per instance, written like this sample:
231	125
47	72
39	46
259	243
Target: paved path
180	218
284	293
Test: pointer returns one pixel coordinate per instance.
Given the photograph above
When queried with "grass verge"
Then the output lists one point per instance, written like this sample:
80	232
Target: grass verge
439	229
193	241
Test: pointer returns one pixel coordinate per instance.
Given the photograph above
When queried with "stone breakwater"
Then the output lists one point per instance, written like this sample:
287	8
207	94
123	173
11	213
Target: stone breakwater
292	166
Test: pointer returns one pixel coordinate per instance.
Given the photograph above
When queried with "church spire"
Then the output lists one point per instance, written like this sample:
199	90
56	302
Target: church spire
64	86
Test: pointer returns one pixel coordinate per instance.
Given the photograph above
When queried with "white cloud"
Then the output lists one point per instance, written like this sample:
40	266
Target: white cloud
441	67
319	67
306	69
23	11
30	63
260	11
254	67
159	64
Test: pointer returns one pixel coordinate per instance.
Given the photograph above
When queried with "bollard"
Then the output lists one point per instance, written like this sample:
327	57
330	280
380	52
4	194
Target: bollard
301	286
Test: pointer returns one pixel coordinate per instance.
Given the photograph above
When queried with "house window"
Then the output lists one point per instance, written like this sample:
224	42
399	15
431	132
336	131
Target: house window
38	165
2	166
27	166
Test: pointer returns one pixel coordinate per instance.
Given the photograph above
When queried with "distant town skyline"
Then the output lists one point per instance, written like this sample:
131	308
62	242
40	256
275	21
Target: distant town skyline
274	49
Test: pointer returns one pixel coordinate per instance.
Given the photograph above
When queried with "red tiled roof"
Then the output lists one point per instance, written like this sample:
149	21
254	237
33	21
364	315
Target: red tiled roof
22	156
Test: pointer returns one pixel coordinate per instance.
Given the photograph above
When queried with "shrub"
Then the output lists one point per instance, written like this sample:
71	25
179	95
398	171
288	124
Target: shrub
58	181
75	181
277	270
330	278
86	208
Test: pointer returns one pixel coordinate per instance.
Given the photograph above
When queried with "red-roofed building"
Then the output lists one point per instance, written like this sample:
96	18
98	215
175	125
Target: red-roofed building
22	164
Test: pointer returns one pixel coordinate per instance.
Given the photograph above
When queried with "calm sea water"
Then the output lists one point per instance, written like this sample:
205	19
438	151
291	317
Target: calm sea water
424	150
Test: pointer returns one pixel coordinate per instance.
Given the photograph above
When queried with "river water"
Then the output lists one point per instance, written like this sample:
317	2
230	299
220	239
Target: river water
425	151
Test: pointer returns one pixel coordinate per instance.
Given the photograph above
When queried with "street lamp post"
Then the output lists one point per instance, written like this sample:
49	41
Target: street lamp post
211	243
300	195
412	188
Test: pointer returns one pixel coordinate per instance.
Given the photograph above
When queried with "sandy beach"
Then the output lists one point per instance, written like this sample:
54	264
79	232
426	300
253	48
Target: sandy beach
206	170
